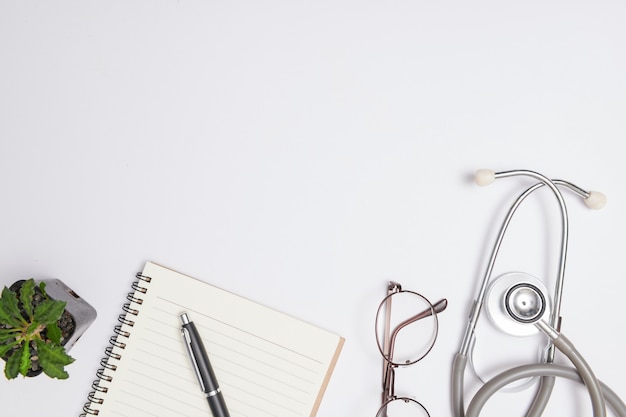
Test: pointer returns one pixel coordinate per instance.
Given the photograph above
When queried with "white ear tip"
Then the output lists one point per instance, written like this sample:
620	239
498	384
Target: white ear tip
596	200
485	176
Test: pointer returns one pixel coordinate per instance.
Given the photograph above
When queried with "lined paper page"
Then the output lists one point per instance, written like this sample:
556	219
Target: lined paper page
267	363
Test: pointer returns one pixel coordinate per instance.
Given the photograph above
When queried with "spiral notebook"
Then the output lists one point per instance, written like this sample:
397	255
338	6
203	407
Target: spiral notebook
267	363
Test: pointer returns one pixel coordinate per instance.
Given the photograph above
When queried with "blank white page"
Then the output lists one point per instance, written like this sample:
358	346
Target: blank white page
267	363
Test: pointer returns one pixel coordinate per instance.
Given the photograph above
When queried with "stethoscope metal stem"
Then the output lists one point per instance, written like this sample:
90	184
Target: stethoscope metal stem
558	292
555	317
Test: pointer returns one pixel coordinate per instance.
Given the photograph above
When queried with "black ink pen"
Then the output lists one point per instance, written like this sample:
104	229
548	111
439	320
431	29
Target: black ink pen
202	367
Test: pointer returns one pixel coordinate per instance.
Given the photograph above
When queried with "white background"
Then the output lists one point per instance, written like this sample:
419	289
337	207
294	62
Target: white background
304	153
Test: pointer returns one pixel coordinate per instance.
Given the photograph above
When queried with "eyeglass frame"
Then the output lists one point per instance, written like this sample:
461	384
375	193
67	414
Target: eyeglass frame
388	345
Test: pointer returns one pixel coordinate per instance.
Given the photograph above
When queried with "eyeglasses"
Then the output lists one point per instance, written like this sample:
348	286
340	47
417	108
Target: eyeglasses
404	335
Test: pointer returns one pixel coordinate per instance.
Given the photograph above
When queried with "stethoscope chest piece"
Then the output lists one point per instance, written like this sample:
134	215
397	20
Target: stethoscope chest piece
516	299
525	303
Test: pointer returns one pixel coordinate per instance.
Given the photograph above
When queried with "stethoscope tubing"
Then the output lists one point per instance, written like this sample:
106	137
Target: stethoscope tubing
458	401
546	370
599	393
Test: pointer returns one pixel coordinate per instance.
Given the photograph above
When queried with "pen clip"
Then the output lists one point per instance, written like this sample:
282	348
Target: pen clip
192	356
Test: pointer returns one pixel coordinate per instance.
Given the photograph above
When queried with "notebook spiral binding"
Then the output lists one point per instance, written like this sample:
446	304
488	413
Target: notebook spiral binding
126	320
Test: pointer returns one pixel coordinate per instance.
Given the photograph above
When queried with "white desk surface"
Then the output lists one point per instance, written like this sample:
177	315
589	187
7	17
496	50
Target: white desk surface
304	153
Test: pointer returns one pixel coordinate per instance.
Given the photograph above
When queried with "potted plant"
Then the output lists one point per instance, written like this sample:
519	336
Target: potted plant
37	329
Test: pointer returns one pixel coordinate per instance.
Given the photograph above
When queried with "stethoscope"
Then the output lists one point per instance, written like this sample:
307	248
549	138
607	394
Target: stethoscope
523	302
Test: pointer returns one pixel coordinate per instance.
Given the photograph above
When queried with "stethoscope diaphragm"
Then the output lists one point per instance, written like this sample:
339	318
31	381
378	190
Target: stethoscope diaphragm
513	292
520	295
525	303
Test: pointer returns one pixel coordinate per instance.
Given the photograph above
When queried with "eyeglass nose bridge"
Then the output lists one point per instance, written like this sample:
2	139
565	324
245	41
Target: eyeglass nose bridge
389	392
389	379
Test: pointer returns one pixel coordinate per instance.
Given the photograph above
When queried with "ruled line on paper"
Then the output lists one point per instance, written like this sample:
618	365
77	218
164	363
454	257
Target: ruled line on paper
240	330
275	355
160	390
159	332
276	382
135	407
314	367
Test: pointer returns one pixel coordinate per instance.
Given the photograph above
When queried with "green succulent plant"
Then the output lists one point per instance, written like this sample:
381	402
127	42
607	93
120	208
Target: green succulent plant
29	332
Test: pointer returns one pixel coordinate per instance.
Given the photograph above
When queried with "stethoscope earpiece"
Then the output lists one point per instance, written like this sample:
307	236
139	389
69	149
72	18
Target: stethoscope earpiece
484	176
596	200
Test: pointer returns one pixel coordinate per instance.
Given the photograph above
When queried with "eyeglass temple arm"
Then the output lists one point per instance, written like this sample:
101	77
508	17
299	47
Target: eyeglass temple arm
438	307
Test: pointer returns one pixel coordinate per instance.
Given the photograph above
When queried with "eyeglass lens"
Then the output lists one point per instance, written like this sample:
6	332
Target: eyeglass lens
406	327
